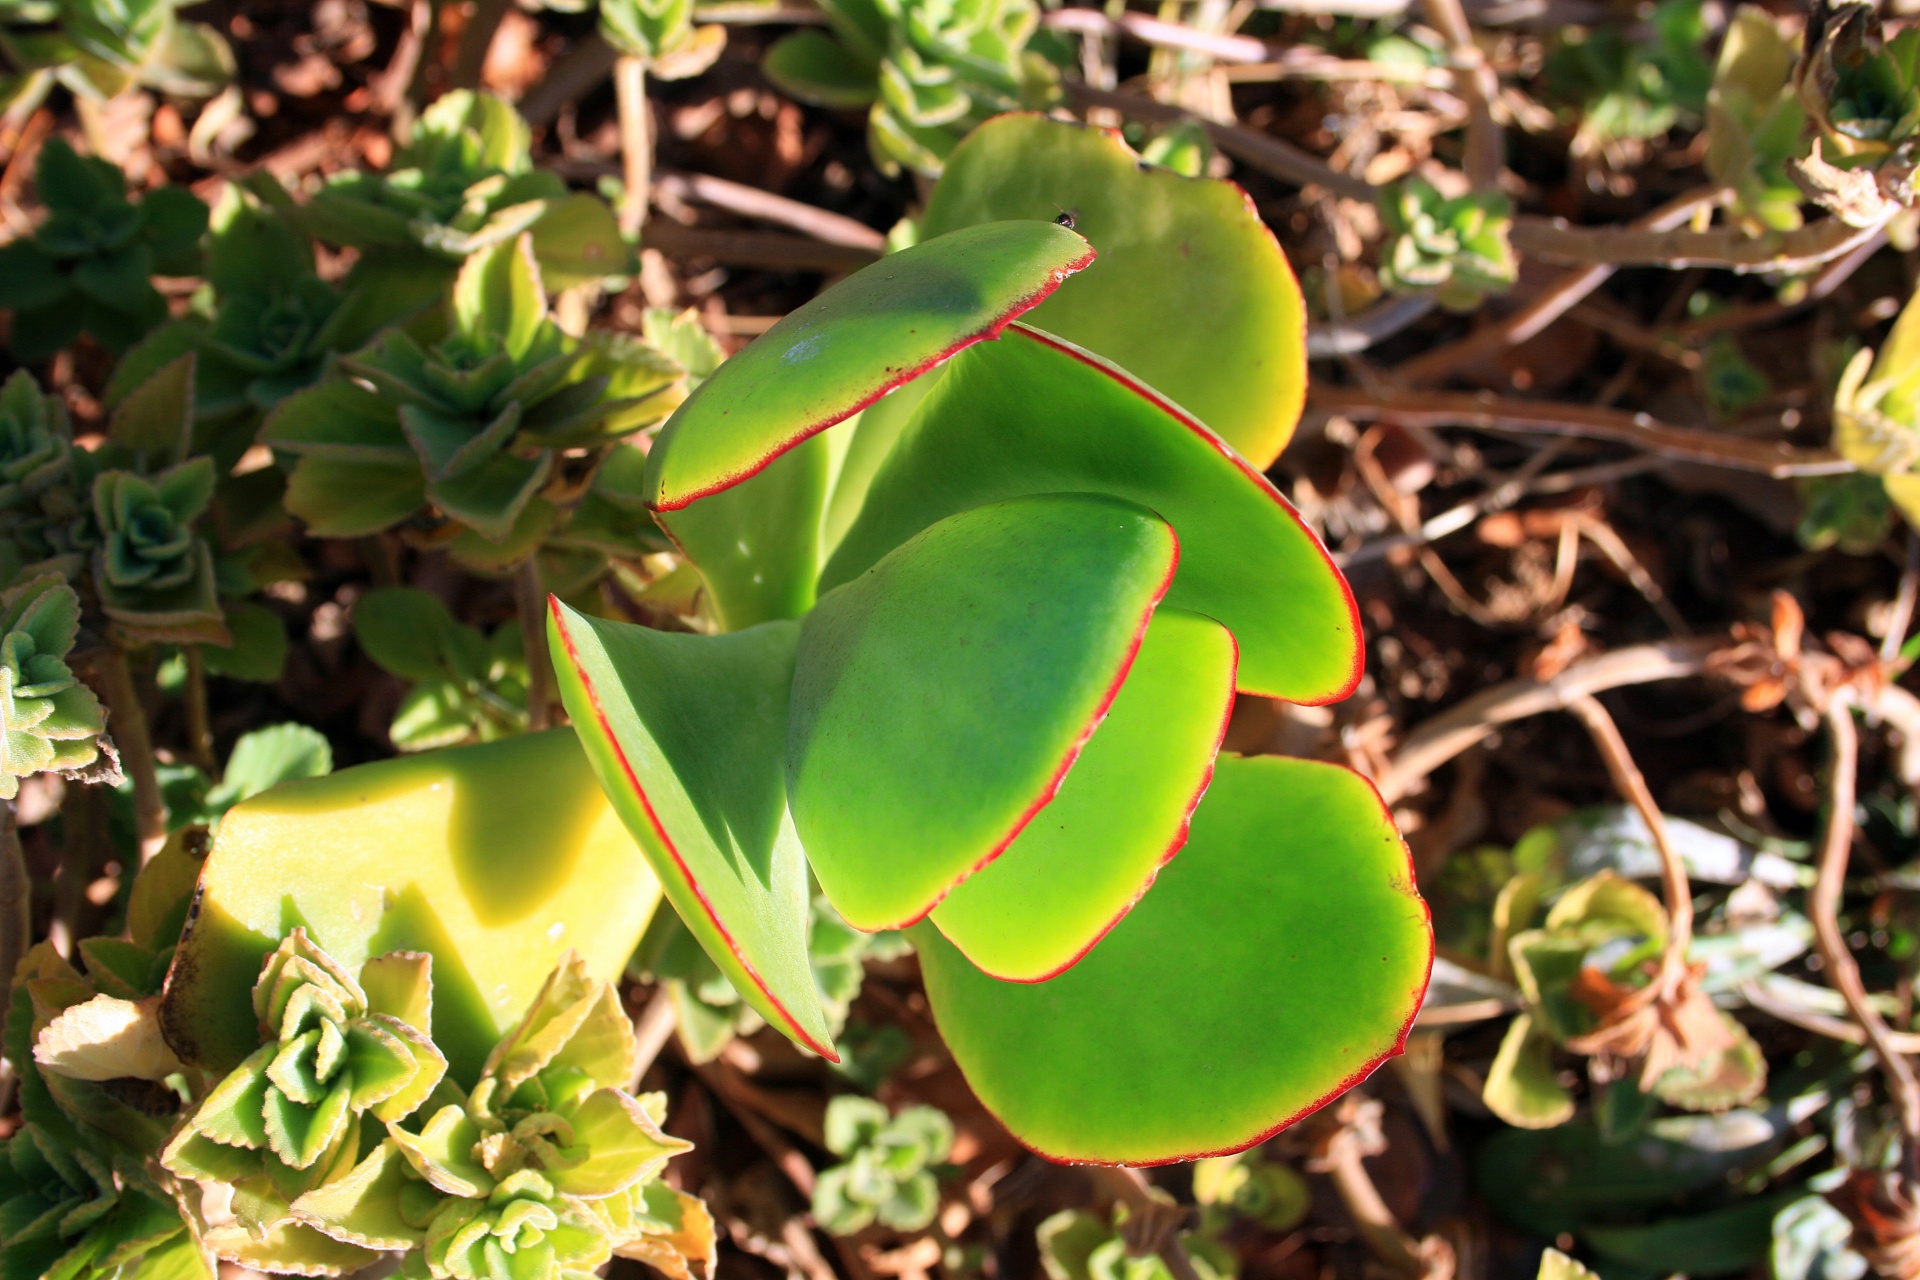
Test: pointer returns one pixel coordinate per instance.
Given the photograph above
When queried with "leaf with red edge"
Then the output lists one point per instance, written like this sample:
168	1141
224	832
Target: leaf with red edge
1122	812
827	360
1034	414
688	735
1276	962
939	699
1190	294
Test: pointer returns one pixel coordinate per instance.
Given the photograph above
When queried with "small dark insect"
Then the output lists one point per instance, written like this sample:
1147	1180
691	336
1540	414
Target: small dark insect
1067	218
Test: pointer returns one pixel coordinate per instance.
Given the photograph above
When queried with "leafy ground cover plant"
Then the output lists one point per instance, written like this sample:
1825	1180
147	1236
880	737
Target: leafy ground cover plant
1031	948
89	267
928	72
888	1166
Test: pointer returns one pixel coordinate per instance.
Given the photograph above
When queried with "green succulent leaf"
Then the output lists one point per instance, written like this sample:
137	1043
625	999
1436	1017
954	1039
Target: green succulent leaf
1010	418
1292	882
1015	624
319	853
1190	293
1120	814
48	719
688	735
1520	1087
825	361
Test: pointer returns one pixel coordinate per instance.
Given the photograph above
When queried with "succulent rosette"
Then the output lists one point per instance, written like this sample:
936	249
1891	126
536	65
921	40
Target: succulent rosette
48	719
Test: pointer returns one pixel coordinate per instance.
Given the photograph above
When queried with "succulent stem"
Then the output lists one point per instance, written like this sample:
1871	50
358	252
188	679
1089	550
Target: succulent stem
16	895
199	726
128	727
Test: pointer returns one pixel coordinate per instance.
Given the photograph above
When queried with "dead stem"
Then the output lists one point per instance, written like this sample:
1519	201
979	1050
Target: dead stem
1346	1134
773	249
1486	412
1902	615
636	142
1823	906
530	606
1631	784
1445	736
1727	248
651	1031
475	40
752	202
1474	80
127	723
1264	152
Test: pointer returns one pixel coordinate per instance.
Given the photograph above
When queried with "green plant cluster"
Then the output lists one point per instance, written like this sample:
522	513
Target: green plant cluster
927	70
89	267
888	1166
98	49
1628	88
1455	249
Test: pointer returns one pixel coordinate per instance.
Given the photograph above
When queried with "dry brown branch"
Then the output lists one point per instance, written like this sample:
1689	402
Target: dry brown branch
1474	80
1786	252
751	202
1344	1136
1823	907
1158	1217
774	249
1487	412
1819	1023
652	1028
1164	35
1268	154
1446	735
1354	334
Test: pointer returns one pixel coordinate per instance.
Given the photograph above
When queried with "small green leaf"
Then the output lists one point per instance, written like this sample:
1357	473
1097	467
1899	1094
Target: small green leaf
1014	625
403	629
1520	1086
259	649
814	67
879	328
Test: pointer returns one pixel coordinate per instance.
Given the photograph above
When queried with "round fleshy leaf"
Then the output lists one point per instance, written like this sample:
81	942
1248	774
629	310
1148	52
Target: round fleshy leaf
1191	293
1277	961
940	698
688	736
496	860
880	327
1122	812
1033	414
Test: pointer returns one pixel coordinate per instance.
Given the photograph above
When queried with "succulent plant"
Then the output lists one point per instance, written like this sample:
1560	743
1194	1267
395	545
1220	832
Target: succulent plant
467	687
464	182
334	1049
49	721
89	267
1077	1245
1268	1193
887	1165
1629	88
930	69
1014	581
474	424
1453	248
153	573
545	1170
1755	123
36	442
46	516
1593	948
100	48
662	34
275	325
1860	90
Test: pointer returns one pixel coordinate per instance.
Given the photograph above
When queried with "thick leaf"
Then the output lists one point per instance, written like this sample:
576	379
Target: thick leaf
496	860
1121	813
1277	961
688	735
349	498
757	544
1521	1088
1030	414
1191	293
940	698
839	353
814	67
